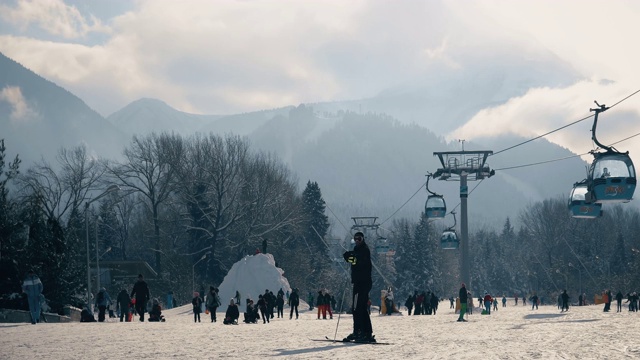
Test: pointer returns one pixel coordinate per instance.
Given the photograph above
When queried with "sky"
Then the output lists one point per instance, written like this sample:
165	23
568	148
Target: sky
222	57
511	332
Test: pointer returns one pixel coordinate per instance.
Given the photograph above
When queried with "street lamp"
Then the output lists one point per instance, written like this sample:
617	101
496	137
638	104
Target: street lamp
109	190
193	270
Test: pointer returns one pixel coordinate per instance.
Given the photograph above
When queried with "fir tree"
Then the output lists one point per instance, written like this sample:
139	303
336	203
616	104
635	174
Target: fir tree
313	206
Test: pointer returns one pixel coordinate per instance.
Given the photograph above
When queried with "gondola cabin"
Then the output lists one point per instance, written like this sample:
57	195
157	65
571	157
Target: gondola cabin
612	178
581	209
449	240
382	248
435	207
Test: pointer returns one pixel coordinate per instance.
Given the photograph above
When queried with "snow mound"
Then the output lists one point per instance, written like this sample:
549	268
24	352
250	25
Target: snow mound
251	276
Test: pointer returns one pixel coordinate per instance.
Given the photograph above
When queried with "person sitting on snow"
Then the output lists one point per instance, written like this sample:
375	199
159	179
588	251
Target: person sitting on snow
155	314
251	316
232	314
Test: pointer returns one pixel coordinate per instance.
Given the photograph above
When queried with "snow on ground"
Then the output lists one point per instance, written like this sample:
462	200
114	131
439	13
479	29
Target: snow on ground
514	332
510	333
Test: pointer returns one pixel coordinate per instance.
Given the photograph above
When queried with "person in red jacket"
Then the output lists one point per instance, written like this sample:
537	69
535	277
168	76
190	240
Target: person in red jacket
487	302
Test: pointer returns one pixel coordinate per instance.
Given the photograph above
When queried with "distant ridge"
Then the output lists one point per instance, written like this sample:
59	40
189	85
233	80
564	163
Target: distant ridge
39	117
146	115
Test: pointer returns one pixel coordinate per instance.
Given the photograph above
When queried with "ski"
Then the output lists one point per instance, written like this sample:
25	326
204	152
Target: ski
326	339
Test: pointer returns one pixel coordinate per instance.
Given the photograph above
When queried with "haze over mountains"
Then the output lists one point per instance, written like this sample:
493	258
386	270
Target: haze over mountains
367	159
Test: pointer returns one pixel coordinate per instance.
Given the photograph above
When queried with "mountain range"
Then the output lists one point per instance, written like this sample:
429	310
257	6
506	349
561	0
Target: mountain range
367	163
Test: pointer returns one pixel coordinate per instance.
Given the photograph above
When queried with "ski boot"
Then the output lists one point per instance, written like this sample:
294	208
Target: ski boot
351	337
366	338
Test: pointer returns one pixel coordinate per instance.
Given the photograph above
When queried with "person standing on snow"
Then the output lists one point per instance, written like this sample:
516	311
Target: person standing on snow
565	300
360	260
32	286
280	305
213	302
102	301
123	301
141	291
294	301
462	295
197	306
409	303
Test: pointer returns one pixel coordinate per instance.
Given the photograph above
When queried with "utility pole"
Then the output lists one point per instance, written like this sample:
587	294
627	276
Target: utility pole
464	166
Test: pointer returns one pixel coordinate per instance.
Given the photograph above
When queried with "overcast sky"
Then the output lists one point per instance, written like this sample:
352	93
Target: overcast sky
220	57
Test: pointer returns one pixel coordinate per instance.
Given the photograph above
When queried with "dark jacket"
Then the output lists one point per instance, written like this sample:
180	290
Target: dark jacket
197	304
123	299
463	295
410	301
361	269
262	304
294	299
232	313
155	313
141	291
213	300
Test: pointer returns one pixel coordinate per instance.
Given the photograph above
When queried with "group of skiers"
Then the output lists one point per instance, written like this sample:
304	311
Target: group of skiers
425	303
267	302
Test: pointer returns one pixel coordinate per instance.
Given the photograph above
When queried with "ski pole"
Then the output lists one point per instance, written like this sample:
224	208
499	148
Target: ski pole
344	291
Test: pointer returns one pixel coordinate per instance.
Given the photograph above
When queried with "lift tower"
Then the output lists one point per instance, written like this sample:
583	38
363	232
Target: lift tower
364	224
464	166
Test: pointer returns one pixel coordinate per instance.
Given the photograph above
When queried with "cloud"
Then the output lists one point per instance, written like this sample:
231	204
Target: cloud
21	112
236	56
543	110
52	16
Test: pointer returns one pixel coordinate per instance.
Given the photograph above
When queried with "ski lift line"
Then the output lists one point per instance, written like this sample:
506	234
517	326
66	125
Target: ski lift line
546	271
637	91
562	127
337	218
329	248
580	261
625	139
543	135
564	158
540	162
405	203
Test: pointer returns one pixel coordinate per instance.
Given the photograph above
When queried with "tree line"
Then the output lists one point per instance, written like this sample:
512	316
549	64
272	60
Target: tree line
179	200
550	251
183	199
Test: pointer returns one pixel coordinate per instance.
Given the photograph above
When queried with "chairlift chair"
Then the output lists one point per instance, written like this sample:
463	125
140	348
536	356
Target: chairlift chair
579	207
435	207
382	245
612	176
449	239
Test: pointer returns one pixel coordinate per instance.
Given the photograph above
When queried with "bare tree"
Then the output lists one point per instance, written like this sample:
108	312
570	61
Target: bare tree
147	172
63	192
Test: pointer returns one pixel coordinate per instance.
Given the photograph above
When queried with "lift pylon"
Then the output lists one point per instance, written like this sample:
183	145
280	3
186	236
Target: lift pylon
464	166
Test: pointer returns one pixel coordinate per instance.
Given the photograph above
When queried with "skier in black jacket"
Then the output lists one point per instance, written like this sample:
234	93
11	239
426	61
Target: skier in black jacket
360	260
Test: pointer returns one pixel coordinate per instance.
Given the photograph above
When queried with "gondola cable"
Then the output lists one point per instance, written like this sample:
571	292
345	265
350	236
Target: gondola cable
562	127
